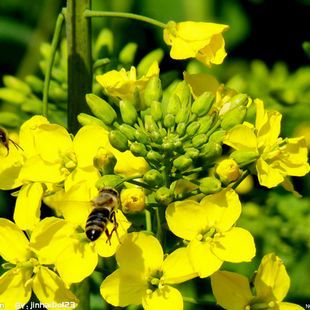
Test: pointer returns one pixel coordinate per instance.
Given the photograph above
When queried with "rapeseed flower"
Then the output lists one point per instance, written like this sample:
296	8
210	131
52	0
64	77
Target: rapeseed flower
27	272
144	276
63	242
203	41
209	228
271	284
275	158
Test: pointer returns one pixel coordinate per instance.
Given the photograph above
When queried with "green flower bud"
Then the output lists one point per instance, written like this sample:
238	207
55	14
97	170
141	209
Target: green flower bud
156	110
164	195
128	112
149	123
163	132
174	105
152	91
35	83
192	152
203	104
182	162
233	117
9	119
148	59
205	123
86	119
104	43
168	146
209	185
118	140
156	137
209	153
244	158
138	149
183	91
154	157
199	140
128	52
181	128
17	84
239	100
101	109
109	180
217	136
141	136
57	93
12	96
192	128
169	120
183	115
128	131
104	161
153	177
34	106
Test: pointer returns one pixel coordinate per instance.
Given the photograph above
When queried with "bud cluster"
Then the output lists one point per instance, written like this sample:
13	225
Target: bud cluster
179	136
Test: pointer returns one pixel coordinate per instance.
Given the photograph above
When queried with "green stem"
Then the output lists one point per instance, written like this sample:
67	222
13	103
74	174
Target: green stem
89	13
148	220
242	177
79	60
142	184
198	301
159	231
47	78
100	63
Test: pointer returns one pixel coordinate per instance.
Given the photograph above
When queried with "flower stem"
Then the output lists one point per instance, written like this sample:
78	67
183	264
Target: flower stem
89	13
79	60
241	178
47	78
148	220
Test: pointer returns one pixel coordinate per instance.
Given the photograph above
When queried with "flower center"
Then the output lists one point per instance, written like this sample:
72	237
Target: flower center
155	281
69	163
206	235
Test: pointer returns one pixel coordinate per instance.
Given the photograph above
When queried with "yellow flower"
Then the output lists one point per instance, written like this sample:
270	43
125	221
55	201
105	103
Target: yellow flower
228	171
133	199
63	242
209	226
232	291
28	274
275	158
144	276
123	85
203	41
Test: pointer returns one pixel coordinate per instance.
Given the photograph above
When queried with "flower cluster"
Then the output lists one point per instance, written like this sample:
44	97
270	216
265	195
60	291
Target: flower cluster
175	154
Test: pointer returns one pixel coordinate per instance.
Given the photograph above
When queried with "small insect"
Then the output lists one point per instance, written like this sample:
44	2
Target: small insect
4	140
105	206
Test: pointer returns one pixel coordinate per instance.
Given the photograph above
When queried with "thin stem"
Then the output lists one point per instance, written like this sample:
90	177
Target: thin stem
242	177
142	184
47	78
148	220
89	13
197	301
159	232
100	63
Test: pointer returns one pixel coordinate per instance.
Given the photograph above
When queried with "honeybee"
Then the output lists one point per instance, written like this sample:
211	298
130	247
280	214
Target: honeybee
4	140
105	206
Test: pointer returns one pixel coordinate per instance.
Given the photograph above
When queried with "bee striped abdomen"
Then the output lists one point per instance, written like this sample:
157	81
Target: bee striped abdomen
97	222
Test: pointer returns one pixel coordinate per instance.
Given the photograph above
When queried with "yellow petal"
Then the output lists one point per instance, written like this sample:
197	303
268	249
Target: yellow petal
49	289
267	175
236	246
50	237
141	252
165	298
14	292
107	249
177	267
27	209
223	209
271	281
289	306
11	235
241	137
121	289
77	261
186	219
52	141
204	261
231	290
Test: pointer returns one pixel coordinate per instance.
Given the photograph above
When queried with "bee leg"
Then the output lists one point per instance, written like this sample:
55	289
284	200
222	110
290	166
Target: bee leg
16	145
109	236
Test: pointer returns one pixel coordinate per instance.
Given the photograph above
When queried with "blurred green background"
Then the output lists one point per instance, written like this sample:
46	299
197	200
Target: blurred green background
265	59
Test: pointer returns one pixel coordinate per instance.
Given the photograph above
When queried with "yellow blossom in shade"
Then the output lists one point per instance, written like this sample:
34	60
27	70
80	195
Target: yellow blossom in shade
65	242
232	291
123	84
209	228
203	41
29	275
228	170
144	276
276	158
133	199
